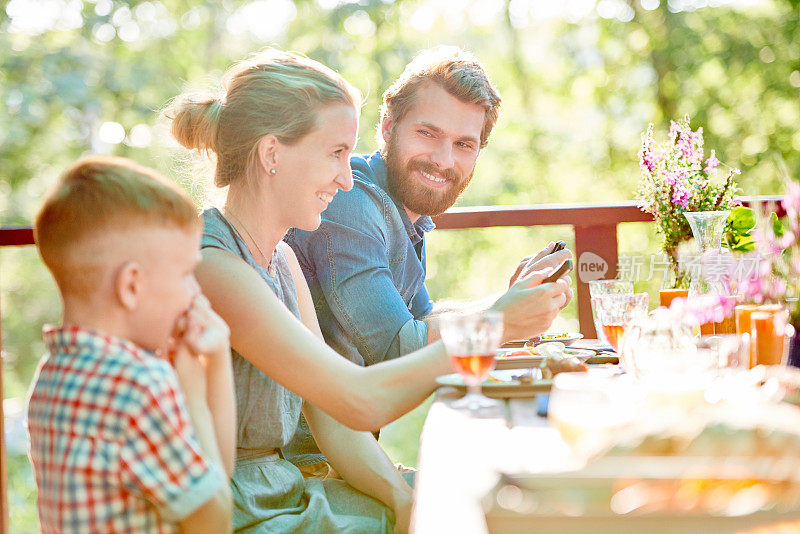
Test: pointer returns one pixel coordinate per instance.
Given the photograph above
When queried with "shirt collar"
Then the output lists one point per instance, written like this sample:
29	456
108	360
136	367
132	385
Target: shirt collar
73	338
424	224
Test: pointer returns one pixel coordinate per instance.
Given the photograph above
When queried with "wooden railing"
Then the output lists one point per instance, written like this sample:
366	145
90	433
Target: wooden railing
595	231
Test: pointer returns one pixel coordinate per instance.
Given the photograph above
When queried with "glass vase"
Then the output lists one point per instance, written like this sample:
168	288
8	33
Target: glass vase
707	228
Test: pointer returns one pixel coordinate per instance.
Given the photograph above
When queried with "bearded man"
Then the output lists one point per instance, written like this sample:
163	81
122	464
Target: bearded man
365	264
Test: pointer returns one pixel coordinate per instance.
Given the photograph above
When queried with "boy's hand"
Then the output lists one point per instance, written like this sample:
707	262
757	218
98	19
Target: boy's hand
200	339
203	331
190	369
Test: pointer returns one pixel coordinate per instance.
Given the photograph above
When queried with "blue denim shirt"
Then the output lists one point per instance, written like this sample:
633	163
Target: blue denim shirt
365	266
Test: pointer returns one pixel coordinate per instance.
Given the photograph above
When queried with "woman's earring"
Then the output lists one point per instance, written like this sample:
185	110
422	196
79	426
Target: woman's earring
273	171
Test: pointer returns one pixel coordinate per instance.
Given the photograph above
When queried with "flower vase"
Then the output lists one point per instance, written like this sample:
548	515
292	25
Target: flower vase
674	285
707	228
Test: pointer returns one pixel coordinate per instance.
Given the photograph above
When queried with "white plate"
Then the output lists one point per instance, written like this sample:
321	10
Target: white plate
507	386
504	361
567	338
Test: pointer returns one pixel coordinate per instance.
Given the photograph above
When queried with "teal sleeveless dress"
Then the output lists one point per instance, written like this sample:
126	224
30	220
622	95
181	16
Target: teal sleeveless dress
270	494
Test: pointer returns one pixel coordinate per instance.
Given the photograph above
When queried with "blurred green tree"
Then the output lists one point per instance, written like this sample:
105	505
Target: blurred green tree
580	82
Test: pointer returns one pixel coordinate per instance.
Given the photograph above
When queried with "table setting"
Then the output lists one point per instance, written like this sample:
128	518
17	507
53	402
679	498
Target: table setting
683	415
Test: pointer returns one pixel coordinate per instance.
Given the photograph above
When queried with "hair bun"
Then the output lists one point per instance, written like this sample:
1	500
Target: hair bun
195	119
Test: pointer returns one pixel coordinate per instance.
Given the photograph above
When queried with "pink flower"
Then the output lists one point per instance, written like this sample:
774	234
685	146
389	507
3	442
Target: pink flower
712	163
787	240
766	241
674	128
648	160
681	191
791	201
702	309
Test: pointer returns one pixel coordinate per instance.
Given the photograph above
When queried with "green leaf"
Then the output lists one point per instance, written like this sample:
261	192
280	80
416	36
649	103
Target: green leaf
743	244
742	220
777	226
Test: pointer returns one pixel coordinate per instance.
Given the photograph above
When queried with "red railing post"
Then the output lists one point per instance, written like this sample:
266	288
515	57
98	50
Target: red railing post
3	456
595	259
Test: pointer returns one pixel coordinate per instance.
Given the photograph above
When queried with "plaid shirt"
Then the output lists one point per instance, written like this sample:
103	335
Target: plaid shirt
112	445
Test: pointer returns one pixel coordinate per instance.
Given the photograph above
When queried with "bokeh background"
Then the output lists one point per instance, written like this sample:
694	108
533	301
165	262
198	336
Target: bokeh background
580	79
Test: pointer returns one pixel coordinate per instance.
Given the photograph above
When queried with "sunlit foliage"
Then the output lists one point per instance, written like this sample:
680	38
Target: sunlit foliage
580	79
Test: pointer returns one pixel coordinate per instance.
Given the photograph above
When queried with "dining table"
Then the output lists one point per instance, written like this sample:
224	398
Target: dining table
462	458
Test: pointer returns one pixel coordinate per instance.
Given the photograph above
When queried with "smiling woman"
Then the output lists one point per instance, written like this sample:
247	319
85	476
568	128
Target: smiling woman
282	133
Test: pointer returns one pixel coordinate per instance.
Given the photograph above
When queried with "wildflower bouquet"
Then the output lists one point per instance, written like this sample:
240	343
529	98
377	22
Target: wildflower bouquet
676	178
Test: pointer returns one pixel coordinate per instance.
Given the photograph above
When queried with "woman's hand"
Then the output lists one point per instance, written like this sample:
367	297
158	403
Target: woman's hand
402	513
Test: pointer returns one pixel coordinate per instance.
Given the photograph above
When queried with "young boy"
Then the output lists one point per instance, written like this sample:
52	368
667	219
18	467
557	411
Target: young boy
131	413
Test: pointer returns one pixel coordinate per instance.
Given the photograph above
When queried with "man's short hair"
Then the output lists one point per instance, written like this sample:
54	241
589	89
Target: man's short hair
458	72
101	194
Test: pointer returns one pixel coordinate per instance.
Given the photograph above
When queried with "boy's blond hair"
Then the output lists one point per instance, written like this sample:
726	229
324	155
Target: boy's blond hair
95	197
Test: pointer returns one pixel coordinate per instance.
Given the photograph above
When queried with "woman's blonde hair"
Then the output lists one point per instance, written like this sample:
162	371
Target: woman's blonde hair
272	92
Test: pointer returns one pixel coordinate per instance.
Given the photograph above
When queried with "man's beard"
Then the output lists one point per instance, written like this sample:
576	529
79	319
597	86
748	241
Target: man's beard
416	197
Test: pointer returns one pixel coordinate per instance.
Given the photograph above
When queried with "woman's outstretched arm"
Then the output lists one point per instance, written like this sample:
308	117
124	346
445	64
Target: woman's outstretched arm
276	342
362	463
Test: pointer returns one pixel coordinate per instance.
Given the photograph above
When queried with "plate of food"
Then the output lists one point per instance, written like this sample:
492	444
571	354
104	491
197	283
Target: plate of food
508	383
517	358
567	338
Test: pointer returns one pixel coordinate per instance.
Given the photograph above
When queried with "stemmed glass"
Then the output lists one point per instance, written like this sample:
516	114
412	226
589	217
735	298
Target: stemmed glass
587	408
607	287
616	311
471	341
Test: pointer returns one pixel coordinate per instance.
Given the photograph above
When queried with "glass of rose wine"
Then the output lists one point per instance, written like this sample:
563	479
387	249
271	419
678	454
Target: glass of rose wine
616	311
607	287
471	341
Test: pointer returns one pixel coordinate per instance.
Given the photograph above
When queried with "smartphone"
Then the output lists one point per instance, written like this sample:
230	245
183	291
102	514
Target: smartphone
560	245
565	268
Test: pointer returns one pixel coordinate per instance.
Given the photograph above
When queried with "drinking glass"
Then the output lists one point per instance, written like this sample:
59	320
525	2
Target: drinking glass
728	350
771	336
607	287
471	341
587	408
616	311
743	314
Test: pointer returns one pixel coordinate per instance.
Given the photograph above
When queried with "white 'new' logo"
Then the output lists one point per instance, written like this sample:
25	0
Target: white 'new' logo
591	267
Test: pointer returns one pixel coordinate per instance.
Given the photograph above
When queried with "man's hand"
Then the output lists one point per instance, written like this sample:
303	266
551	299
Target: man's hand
529	306
542	260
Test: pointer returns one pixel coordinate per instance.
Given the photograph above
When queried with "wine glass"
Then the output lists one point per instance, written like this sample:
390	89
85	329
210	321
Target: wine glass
588	408
606	287
471	341
616	311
